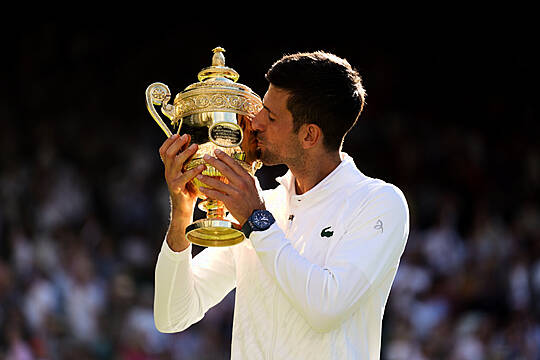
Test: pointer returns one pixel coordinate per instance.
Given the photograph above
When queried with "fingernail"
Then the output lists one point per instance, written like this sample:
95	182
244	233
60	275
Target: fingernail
217	151
199	177
206	157
184	137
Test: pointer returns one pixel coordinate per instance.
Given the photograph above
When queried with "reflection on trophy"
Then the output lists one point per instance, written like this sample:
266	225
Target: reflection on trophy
216	113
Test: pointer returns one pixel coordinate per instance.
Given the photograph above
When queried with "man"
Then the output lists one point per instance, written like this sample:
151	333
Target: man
323	248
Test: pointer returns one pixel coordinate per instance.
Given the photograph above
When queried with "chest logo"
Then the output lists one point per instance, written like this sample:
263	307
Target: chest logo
326	233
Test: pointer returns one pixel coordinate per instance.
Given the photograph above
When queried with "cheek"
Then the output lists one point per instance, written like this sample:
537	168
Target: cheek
281	138
288	143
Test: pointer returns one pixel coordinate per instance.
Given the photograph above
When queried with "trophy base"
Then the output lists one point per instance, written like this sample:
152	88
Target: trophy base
214	233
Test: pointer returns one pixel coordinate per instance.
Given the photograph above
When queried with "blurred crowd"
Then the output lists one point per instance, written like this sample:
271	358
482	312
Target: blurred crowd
80	239
79	243
84	210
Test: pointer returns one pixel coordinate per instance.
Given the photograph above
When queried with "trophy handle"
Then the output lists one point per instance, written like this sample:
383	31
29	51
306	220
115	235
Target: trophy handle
159	94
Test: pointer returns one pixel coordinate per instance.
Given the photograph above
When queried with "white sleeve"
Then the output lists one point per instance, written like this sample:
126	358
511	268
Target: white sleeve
186	288
363	256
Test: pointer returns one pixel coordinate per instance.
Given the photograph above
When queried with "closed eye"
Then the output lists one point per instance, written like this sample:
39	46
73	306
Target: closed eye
269	112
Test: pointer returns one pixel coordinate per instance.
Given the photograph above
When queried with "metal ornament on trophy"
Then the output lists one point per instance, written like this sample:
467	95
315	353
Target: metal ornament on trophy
213	112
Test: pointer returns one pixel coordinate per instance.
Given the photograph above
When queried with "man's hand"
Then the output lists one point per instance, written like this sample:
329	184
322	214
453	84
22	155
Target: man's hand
240	195
174	153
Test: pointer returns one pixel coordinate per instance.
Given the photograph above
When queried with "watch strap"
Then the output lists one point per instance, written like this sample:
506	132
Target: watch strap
247	229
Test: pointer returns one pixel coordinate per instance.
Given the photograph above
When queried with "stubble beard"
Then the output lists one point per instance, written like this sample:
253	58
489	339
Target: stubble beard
267	157
271	158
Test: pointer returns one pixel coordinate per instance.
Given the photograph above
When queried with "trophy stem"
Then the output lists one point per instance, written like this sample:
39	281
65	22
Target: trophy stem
214	230
215	209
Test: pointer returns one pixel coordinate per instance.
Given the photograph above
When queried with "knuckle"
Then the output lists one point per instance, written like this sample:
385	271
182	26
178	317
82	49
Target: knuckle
238	195
185	179
177	181
244	184
209	160
192	172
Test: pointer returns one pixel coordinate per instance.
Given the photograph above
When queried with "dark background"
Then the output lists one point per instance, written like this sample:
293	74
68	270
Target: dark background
451	119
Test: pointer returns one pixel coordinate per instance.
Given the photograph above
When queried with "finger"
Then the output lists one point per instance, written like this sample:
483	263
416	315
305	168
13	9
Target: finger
214	194
176	146
180	182
173	149
223	168
166	145
217	184
233	164
180	159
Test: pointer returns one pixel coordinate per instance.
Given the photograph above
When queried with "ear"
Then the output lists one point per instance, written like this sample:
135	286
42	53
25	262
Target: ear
310	135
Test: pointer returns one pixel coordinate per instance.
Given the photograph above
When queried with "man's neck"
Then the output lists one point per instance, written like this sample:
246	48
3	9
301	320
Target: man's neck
313	170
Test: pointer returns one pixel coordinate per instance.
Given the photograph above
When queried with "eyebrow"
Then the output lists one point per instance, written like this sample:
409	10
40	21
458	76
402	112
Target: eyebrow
267	109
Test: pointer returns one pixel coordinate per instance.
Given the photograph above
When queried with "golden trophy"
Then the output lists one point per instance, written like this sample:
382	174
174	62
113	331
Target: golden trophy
215	112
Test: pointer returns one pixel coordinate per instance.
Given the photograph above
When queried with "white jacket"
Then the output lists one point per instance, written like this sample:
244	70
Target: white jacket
314	287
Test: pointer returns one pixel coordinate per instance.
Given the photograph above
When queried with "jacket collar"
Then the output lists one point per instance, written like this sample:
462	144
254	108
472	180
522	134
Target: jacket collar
340	176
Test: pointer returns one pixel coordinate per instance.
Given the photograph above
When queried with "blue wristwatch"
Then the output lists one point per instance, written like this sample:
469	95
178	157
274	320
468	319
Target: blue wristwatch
259	220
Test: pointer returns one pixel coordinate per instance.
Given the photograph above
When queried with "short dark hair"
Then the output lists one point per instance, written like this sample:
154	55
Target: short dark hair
323	89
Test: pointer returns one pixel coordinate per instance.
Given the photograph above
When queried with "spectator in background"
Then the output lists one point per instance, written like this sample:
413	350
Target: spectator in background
489	174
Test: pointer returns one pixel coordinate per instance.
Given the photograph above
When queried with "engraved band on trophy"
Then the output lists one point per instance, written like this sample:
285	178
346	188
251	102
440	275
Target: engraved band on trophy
211	111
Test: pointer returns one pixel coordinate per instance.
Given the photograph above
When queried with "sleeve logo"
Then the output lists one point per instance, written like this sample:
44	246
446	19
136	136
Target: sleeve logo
379	226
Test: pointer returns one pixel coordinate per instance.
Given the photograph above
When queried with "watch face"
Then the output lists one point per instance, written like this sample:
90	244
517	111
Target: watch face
262	219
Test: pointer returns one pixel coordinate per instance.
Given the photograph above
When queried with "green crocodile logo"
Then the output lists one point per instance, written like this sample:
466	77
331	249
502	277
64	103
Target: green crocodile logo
326	233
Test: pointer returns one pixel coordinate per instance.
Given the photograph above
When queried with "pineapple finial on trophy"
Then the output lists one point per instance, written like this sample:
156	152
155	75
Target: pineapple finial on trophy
218	71
218	59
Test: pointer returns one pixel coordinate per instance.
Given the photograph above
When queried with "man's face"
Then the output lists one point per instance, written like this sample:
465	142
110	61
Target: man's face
277	143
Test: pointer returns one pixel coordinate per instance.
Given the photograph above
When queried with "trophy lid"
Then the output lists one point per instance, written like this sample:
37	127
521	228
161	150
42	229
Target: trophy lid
218	70
217	90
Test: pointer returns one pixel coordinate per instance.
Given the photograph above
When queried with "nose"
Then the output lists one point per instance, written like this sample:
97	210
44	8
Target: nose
258	121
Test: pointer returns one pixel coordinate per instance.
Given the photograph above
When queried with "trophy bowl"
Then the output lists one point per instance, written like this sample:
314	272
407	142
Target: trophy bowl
216	113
